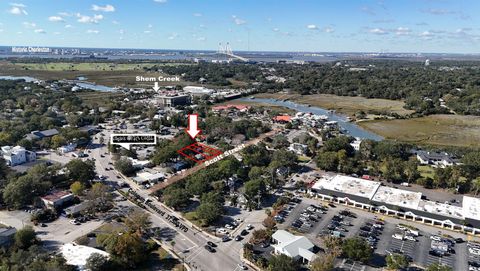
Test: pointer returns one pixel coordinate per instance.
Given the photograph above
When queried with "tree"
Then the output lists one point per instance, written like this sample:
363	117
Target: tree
25	238
58	141
175	197
97	262
438	267
124	165
396	261
357	249
79	170
77	188
327	161
260	236
23	190
475	185
323	262
282	263
269	223
137	221
99	197
125	247
209	212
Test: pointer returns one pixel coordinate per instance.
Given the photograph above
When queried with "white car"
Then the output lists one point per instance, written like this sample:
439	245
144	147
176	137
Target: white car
228	226
401	228
222	230
410	238
74	222
436	238
397	236
249	227
242	266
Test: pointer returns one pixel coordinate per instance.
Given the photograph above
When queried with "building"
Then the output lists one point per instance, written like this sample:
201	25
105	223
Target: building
36	135
241	108
6	236
197	91
56	199
67	148
372	196
77	255
147	177
76	209
440	159
172	100
282	118
300	149
17	155
356	143
296	247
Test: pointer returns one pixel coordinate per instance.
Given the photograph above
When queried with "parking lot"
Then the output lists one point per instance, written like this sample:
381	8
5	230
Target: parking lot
314	218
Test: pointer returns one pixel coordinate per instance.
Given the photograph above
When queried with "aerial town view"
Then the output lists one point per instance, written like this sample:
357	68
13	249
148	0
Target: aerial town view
224	135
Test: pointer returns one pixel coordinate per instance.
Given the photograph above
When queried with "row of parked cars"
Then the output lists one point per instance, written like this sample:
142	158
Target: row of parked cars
405	233
441	246
309	217
474	256
370	231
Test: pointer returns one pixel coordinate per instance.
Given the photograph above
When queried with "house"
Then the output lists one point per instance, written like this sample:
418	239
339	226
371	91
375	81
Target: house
441	159
356	144
17	155
36	135
67	148
300	149
296	247
6	236
56	199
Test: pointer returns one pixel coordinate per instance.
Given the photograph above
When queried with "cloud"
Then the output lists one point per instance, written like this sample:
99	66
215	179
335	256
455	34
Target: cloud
328	29
421	23
147	31
55	19
426	34
312	27
197	14
201	39
402	31
238	21
65	14
275	29
40	31
56	33
29	25
368	10
160	1
434	11
17	9
106	8
88	19
383	21
121	31
173	36
115	22
149	25
378	31
92	31
68	26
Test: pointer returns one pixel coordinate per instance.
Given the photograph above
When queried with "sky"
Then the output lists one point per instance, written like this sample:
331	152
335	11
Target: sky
436	26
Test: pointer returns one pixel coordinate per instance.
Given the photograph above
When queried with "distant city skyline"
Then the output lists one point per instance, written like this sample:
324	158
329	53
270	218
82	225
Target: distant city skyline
436	26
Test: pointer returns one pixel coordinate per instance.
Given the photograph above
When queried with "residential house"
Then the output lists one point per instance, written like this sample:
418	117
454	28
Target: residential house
36	135
17	155
67	148
441	159
300	149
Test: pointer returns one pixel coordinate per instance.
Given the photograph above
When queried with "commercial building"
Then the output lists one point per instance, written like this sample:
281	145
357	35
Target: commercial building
197	91
67	148
373	196
77	255
56	199
36	135
296	247
172	100
17	155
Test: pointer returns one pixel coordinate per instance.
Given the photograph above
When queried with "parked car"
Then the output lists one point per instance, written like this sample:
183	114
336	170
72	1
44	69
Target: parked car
244	232
249	227
238	238
210	243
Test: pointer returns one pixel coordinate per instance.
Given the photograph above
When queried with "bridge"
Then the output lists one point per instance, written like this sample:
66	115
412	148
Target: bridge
227	51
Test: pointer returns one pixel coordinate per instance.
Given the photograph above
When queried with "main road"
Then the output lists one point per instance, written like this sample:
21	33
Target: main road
189	243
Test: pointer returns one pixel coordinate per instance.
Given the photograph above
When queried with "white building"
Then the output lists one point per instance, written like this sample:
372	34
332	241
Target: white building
77	255
197	91
356	144
17	155
300	149
67	148
372	196
297	247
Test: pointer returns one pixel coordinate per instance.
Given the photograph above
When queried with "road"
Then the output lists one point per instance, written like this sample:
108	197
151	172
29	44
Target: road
188	172
190	244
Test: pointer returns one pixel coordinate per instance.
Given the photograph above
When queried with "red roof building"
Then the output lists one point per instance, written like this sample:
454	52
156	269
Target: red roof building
282	118
238	107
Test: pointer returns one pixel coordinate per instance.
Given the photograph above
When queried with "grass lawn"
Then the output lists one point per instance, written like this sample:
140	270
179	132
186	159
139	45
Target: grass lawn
160	259
99	98
452	130
343	104
426	171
